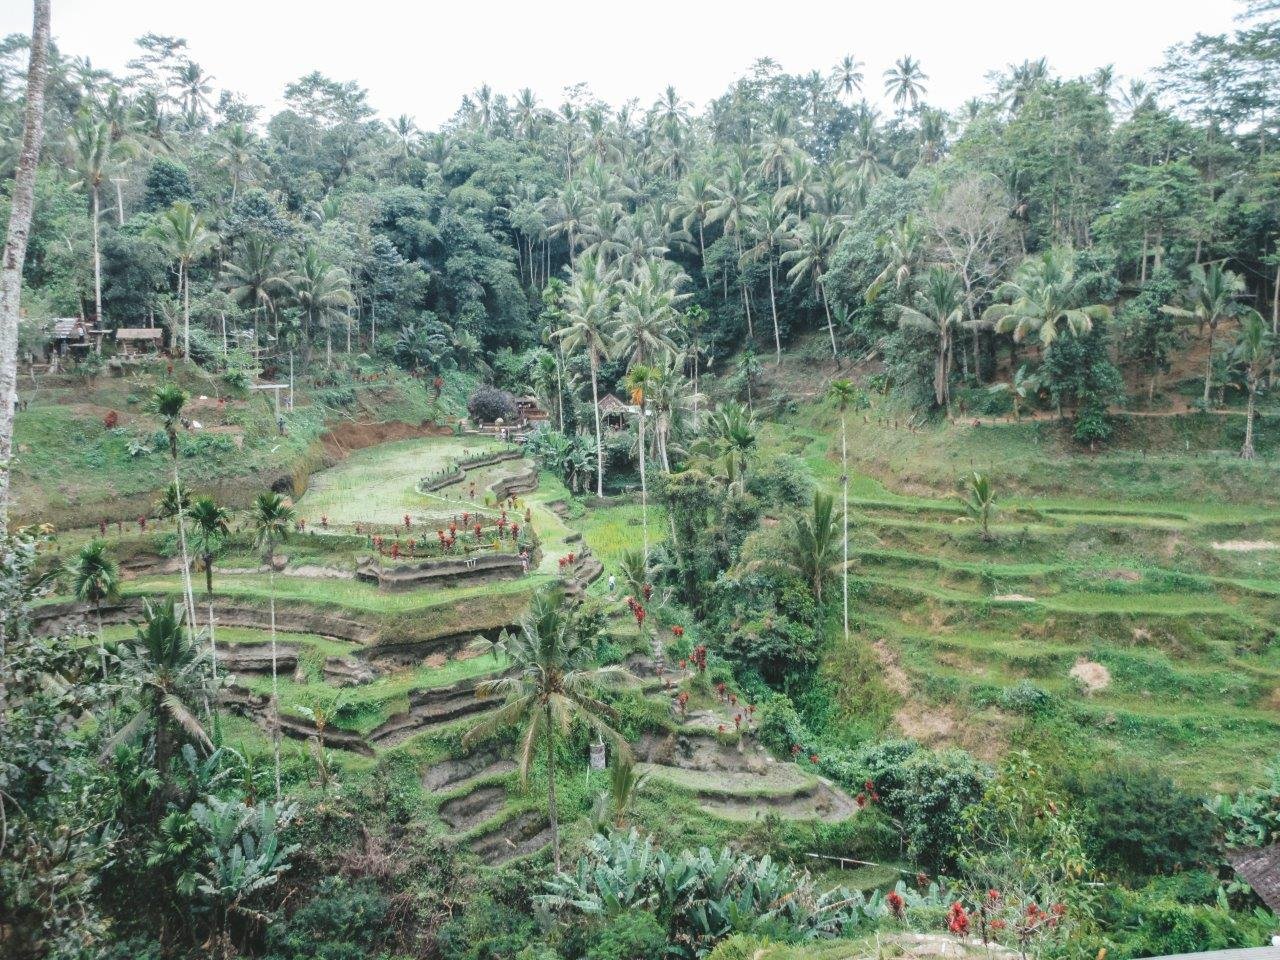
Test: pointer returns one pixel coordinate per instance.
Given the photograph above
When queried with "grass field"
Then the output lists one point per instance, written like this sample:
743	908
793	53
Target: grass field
1101	623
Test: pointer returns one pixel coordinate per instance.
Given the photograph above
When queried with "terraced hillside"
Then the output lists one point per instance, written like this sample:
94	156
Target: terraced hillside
1135	629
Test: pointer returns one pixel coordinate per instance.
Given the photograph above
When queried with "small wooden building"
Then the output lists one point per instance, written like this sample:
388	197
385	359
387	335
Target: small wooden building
614	412
529	409
71	336
132	340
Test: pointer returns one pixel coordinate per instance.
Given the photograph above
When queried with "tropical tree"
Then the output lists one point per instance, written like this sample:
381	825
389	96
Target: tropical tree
979	498
1253	352
93	155
904	82
163	662
770	227
95	577
272	517
590	327
22	201
639	380
812	548
903	248
1214	295
553	685
1044	299
236	155
167	402
210	525
938	309
624	783
844	394
256	276
322	292
812	245
848	76
182	233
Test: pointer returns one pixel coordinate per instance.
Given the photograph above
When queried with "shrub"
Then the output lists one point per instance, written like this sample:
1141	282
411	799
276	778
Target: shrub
489	404
344	921
1139	823
634	935
1026	698
111	420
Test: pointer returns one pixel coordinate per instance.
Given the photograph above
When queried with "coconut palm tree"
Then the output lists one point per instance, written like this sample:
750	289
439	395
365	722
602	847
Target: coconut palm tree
1214	296
847	76
95	577
903	248
1044	299
590	327
979	497
210	525
812	551
272	517
322	291
646	315
938	309
183	235
812	245
236	155
256	275
844	394
93	157
553	686
904	82
693	207
171	674
167	402
770	228
639	380
735	195
1253	351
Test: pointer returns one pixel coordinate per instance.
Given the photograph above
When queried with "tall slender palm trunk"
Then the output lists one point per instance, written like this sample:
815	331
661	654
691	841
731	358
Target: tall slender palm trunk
1208	368
773	304
1247	452
97	258
22	197
831	327
844	484
552	813
184	280
595	406
644	488
275	681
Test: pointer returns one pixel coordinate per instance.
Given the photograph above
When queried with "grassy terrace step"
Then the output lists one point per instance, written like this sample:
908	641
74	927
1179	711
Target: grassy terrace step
1136	603
778	780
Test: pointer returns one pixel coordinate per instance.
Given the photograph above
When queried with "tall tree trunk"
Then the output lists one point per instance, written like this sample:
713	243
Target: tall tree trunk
831	327
644	487
184	280
15	252
773	304
552	813
702	254
97	258
275	682
1208	368
844	484
595	406
1247	451
208	573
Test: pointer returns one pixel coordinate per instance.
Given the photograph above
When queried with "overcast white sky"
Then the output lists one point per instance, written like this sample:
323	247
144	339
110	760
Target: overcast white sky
420	57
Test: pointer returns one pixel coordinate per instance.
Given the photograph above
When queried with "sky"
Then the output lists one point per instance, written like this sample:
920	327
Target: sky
420	58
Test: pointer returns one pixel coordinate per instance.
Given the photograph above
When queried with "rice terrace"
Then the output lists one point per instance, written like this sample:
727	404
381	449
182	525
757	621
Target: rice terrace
821	517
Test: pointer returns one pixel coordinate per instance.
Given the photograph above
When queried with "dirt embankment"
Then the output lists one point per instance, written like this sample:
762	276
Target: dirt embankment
346	438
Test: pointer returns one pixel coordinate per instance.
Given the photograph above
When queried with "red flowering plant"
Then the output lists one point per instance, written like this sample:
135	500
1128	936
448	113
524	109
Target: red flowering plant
1021	849
699	658
896	904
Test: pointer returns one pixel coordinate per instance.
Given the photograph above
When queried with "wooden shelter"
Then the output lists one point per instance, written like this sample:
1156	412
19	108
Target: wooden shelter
614	412
1260	868
529	409
139	339
71	336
